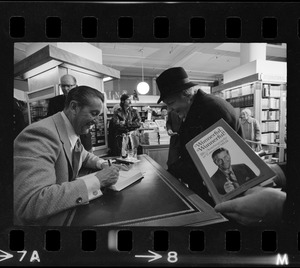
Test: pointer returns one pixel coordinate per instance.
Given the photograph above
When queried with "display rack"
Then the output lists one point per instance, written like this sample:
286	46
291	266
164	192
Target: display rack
267	101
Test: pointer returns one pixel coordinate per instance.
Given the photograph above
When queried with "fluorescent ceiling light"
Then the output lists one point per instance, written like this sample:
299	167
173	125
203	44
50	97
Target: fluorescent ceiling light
108	78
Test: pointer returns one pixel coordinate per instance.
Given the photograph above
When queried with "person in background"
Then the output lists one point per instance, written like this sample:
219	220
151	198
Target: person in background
164	112
162	115
173	125
229	177
198	111
124	120
57	104
251	129
48	156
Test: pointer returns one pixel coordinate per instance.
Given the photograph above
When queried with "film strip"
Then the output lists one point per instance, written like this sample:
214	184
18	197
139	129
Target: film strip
228	243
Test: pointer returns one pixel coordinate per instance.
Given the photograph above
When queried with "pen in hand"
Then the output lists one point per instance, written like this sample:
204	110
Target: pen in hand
109	163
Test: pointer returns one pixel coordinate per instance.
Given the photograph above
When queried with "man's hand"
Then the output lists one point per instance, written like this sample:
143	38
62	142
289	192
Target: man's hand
171	133
259	206
108	176
228	186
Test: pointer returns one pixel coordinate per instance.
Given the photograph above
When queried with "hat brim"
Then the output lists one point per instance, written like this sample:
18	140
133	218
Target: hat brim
183	87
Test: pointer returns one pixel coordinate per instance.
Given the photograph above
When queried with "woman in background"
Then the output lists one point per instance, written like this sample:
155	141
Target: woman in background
125	119
251	129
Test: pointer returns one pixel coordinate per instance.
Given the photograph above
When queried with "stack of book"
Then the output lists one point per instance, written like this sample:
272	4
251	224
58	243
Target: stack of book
164	138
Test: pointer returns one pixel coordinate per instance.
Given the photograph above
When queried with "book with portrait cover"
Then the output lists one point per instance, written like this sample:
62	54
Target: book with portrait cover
226	163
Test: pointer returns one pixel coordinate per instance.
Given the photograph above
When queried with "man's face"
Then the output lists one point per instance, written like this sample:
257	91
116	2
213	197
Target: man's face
66	84
86	116
223	160
178	103
164	112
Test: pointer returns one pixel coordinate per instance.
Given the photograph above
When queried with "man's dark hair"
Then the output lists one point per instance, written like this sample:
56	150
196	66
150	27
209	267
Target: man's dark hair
219	150
82	95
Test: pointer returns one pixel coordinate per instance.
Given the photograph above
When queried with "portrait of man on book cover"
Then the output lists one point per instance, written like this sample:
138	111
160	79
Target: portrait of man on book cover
226	163
228	176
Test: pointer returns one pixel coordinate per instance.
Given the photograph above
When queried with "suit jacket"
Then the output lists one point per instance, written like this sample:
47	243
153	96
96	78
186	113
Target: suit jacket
42	170
241	171
206	110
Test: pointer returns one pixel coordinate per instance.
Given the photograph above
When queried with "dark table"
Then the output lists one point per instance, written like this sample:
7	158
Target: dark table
158	199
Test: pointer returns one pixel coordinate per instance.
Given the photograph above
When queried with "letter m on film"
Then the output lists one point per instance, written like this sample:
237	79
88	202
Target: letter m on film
282	259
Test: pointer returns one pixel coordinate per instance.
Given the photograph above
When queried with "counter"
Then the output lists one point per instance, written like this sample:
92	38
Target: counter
158	199
158	153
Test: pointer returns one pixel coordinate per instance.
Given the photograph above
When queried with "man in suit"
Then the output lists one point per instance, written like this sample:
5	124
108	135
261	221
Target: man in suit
48	156
229	177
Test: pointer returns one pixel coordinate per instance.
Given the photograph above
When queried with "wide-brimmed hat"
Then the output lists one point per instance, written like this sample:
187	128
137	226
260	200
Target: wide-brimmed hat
172	81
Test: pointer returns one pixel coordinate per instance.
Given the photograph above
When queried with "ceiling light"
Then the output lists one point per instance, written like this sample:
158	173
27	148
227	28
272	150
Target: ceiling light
108	78
143	87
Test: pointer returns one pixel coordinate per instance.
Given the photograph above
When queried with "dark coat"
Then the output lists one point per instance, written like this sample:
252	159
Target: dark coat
241	171
132	121
173	123
56	104
206	110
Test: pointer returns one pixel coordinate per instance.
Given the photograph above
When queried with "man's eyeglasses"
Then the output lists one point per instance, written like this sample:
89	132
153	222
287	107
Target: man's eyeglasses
63	85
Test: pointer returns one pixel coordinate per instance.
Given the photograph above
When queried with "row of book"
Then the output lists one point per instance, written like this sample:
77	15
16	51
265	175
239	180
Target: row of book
270	126
270	115
271	91
270	103
240	91
242	101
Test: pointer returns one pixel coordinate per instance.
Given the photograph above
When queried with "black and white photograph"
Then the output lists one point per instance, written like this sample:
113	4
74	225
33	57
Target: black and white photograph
149	133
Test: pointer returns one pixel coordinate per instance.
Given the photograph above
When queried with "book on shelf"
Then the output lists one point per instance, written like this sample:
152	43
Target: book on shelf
220	146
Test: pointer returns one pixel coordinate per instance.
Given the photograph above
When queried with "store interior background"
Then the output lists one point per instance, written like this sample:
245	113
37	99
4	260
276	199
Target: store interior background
219	68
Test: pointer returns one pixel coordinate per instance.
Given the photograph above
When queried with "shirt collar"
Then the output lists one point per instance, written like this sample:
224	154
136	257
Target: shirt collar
70	131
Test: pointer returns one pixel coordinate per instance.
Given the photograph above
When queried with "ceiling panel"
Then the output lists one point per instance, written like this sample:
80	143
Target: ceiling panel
201	60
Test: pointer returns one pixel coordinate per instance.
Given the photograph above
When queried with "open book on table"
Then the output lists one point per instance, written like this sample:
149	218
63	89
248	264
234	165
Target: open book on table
126	178
226	163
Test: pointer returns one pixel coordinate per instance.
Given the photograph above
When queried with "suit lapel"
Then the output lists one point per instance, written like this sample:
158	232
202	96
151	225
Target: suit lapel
62	132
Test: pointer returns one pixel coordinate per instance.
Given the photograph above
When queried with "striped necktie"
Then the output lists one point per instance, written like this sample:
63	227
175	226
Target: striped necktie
75	158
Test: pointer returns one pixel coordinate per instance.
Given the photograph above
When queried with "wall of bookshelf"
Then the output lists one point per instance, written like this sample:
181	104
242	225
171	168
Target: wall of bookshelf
267	101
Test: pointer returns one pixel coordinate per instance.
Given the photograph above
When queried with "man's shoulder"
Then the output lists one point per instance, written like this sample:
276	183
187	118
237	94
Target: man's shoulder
218	174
